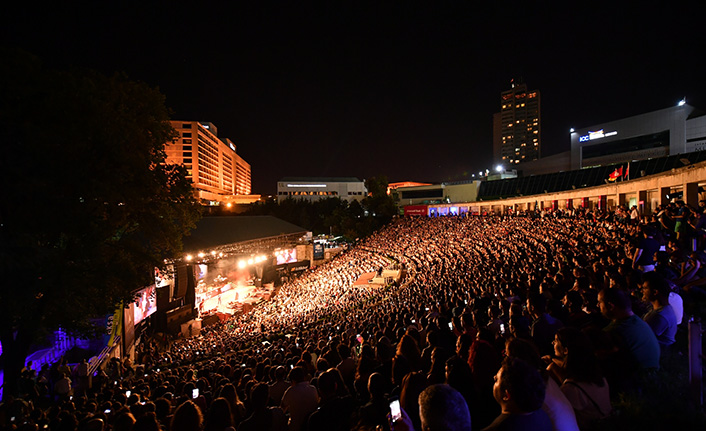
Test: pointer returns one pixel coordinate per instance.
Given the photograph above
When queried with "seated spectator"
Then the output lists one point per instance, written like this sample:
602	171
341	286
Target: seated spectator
278	388
263	417
520	391
375	412
219	416
632	350
441	407
300	400
662	318
413	384
334	412
582	382
555	405
544	326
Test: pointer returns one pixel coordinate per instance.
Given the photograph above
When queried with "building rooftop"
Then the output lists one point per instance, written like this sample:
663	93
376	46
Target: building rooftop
323	179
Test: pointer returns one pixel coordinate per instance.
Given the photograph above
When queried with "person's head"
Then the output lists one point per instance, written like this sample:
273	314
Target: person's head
219	415
146	422
259	396
525	350
655	288
124	422
648	231
442	407
187	417
463	345
376	386
573	301
580	360
614	303
518	388
536	304
327	385
297	375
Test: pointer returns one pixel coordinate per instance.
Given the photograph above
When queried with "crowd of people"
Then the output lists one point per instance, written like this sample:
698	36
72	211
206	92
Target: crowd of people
538	321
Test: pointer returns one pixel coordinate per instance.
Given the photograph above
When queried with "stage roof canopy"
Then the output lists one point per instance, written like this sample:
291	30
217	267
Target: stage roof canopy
213	232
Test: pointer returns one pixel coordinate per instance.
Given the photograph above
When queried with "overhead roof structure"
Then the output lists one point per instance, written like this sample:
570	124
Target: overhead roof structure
213	232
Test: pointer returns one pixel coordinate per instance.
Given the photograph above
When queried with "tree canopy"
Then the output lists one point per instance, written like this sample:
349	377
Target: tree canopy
88	207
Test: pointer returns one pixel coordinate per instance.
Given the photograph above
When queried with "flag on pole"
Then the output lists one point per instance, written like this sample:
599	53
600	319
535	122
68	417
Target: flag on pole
616	174
627	172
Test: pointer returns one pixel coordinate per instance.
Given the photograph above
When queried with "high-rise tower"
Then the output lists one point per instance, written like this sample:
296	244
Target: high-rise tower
520	129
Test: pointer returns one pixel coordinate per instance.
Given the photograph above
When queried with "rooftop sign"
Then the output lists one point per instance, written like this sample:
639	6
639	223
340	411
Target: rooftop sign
596	135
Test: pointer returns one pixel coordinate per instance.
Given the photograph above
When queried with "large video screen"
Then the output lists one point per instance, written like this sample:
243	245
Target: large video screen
286	256
200	271
145	303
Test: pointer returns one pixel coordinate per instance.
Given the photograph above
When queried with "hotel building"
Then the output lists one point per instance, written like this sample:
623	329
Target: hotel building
218	173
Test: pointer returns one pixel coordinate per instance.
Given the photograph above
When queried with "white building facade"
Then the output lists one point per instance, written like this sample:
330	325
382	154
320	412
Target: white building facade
318	188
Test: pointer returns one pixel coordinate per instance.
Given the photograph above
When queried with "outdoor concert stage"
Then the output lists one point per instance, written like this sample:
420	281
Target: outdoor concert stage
231	298
372	279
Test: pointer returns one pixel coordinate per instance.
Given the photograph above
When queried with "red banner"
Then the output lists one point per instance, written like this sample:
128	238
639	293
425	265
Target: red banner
416	210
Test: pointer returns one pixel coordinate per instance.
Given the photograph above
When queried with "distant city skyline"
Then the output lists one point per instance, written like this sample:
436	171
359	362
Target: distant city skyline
405	91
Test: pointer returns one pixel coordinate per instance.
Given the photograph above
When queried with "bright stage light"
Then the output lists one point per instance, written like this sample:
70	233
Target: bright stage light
201	255
189	257
250	261
241	264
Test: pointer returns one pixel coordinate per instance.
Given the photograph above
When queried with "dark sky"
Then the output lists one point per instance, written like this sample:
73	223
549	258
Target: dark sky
384	88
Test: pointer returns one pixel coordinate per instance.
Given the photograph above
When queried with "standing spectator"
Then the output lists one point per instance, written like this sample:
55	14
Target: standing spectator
643	258
62	387
84	378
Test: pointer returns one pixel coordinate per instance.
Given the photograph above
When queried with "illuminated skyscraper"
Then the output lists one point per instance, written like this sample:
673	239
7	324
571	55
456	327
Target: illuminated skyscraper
520	126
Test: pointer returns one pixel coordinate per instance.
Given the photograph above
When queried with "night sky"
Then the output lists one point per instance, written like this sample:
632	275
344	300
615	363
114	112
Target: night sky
384	88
